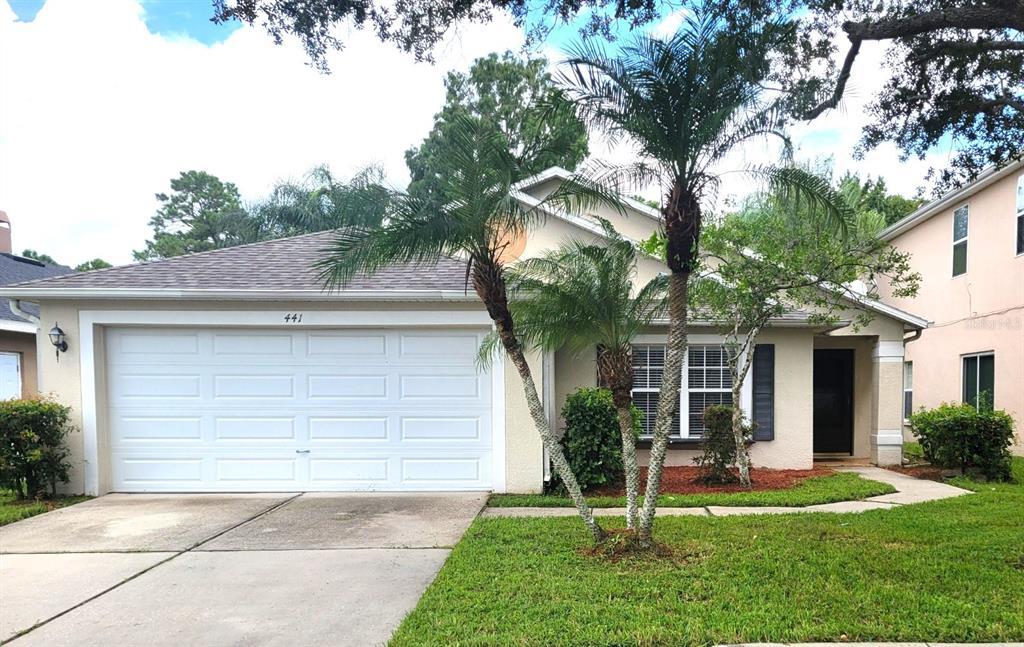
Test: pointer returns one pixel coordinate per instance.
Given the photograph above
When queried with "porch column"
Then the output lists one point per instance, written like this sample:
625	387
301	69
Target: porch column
887	414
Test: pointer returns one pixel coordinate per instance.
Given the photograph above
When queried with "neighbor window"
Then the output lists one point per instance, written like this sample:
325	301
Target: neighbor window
648	369
1020	215
708	383
960	241
908	389
979	379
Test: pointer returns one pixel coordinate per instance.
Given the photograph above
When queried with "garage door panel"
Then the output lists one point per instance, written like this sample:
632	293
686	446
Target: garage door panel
434	387
441	429
155	386
256	470
350	472
440	470
450	346
155	472
141	346
335	346
259	429
292	410
347	428
251	386
150	429
253	345
356	386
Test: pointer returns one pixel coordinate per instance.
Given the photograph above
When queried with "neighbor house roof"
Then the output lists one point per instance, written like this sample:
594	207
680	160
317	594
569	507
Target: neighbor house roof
16	269
989	176
279	268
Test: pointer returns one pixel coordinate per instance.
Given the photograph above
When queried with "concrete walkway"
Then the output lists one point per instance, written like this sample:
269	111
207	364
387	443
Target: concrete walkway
225	570
908	490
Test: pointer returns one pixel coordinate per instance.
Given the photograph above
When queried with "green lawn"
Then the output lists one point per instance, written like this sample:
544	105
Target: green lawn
842	486
944	571
12	510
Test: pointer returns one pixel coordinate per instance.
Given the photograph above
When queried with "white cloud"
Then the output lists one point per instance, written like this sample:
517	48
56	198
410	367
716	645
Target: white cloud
98	114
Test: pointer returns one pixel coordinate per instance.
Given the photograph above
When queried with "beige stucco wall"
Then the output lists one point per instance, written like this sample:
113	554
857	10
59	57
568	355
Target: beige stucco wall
979	311
556	232
524	462
629	222
24	344
524	451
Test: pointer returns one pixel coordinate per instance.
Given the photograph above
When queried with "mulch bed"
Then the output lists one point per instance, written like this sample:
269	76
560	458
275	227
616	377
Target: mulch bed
927	472
681	480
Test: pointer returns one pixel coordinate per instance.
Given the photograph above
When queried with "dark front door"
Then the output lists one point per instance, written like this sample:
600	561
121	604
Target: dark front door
833	401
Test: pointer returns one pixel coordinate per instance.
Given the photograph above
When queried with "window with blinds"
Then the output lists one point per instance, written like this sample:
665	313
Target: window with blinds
648	370
707	381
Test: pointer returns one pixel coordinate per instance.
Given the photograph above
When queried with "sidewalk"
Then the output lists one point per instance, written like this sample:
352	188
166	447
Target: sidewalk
908	490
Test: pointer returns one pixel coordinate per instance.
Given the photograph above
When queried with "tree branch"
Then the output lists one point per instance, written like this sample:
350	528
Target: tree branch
983	17
969	17
844	76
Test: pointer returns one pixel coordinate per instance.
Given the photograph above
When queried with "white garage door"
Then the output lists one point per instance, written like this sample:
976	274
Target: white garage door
277	410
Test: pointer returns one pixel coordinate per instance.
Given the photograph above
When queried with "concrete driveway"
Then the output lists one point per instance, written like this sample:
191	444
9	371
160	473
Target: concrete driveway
220	569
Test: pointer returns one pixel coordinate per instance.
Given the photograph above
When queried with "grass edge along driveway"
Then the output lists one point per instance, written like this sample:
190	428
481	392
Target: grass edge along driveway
841	486
943	571
12	510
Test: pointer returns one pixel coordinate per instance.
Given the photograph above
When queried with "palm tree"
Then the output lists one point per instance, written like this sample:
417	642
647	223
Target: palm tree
477	220
684	104
581	296
320	201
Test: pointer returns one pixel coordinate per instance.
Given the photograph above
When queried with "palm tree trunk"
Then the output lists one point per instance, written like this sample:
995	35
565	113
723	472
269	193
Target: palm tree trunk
489	285
555	453
668	399
615	370
630	467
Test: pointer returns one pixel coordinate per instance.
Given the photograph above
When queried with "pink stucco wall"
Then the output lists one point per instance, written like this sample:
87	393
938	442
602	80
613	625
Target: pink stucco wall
980	311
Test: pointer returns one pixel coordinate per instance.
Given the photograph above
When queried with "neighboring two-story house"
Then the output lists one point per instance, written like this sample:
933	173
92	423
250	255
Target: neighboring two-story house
968	246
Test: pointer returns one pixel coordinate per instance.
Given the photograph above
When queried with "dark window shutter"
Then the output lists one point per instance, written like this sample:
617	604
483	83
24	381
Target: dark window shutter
764	391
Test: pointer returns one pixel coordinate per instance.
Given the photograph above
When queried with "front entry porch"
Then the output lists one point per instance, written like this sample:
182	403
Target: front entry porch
856	400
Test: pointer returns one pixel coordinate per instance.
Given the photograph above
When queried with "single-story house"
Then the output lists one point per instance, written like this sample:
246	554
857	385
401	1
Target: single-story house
232	370
18	328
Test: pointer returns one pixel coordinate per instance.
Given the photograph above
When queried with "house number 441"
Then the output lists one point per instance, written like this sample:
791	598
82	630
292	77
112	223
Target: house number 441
293	317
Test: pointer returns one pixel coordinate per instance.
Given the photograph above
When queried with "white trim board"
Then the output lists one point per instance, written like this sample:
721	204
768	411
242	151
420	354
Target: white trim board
88	320
18	326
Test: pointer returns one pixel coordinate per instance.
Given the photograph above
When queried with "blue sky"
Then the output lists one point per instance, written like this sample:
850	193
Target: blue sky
164	17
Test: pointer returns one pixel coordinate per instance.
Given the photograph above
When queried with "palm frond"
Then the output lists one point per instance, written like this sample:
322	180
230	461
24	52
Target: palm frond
808	193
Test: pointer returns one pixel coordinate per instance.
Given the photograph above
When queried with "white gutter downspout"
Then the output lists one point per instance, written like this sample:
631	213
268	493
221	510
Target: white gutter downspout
16	309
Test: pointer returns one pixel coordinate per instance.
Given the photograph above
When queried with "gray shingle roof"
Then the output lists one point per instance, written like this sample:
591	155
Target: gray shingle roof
282	264
16	269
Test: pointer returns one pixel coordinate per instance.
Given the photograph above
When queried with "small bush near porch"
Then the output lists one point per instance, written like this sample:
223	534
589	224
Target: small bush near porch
944	571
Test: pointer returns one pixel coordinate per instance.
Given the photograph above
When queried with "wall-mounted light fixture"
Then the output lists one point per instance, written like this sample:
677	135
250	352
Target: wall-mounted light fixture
59	340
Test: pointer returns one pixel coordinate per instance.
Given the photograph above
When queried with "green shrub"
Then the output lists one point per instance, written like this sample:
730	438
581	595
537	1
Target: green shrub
719	447
960	436
32	451
912	453
592	440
